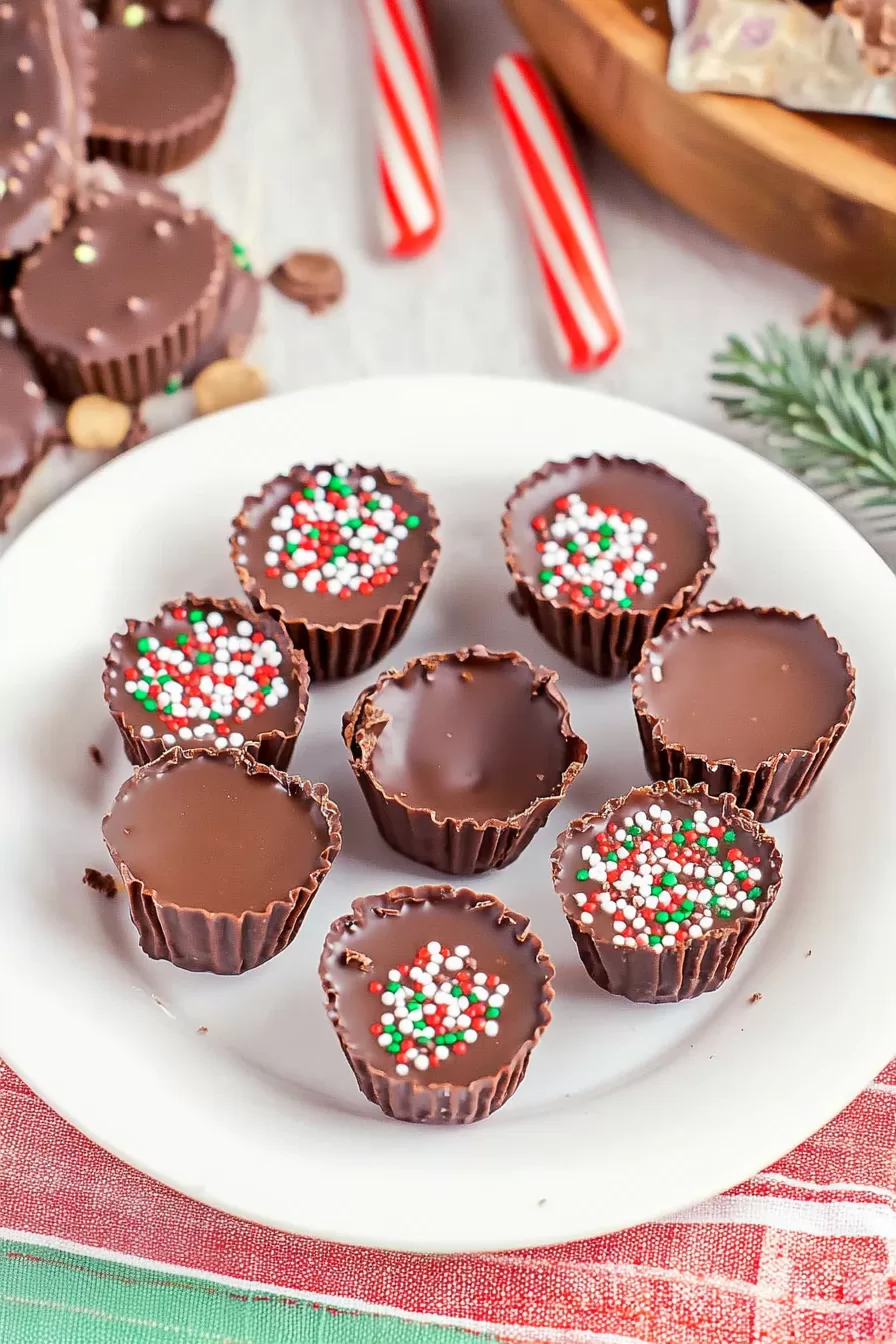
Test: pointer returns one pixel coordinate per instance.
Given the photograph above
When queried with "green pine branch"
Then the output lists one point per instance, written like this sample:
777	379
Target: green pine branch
830	416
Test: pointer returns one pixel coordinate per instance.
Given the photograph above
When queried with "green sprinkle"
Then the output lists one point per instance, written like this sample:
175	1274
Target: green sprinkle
355	523
313	532
625	603
241	257
150	705
143	646
440	1040
572	547
183	638
654	939
727	866
724	914
163	677
612	856
493	1012
638	580
687	905
679	915
292	547
687	825
174	384
393	1048
412	521
604	544
755	893
204	657
140	694
196	615
669	879
419	998
662	916
678	838
605	530
545	576
655	891
393	986
628	844
582	875
340	550
450	1038
702	841
634	830
133	16
589	592
729	836
456	991
309	492
213	714
85	254
266	690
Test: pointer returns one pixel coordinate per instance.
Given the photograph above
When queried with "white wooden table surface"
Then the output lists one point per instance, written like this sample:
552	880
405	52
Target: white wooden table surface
294	169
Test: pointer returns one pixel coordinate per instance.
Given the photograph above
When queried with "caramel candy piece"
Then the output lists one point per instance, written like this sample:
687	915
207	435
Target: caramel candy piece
98	423
227	382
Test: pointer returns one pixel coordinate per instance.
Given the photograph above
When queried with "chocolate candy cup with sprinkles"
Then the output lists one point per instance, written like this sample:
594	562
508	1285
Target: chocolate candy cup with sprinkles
161	94
438	998
342	555
664	888
220	856
462	757
207	671
603	552
746	700
126	294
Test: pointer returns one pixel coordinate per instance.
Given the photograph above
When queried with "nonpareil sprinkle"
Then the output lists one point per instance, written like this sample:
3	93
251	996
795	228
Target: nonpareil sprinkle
437	1006
595	555
337	538
208	682
681	877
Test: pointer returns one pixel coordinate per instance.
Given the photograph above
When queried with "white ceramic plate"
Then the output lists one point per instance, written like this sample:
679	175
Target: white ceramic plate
628	1111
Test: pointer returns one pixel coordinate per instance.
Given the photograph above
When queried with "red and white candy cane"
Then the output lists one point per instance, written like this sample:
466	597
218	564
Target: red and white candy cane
584	308
409	161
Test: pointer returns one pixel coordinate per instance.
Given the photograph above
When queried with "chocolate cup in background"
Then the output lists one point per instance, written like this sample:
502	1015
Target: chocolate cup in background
688	969
45	98
112	11
90	323
768	789
236	323
457	845
161	94
343	648
224	944
272	748
607	643
410	1099
29	424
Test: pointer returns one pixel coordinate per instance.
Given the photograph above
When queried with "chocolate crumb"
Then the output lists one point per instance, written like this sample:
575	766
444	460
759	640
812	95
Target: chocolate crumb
809	953
754	998
202	1031
103	883
353	958
95	754
314	279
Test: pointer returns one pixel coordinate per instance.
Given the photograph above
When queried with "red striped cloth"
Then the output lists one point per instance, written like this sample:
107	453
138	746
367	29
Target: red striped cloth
804	1253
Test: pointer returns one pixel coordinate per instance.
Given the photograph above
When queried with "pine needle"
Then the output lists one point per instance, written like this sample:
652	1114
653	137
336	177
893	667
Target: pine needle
830	417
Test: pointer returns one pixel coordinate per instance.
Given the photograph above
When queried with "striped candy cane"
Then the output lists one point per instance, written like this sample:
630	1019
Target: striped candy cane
409	165
584	309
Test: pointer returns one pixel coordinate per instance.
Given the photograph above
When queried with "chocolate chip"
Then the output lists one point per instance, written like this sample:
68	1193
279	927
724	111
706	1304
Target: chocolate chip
103	883
314	279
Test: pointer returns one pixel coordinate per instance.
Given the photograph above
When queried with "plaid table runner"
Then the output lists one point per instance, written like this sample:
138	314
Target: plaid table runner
95	1253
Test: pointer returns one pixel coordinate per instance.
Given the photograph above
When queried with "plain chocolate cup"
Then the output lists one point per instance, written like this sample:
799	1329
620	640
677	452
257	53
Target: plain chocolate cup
169	148
429	1103
688	969
270	748
606	643
455	844
145	370
779	782
224	944
342	650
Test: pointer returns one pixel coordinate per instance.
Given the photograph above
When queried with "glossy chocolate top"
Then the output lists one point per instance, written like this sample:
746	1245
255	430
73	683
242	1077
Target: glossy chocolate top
210	833
25	416
43	115
126	269
600	512
744	684
660	869
156	76
442	962
470	736
333	545
205	673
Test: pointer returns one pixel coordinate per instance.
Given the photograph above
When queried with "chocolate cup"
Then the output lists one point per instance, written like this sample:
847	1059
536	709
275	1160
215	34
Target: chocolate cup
343	649
607	643
456	844
688	969
145	369
771	788
173	146
429	1103
13	483
269	748
224	944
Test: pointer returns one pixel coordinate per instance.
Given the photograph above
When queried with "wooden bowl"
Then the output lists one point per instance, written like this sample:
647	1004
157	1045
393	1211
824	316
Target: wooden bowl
817	192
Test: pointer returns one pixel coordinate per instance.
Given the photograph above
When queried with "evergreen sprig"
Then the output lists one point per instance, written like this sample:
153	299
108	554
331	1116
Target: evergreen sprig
830	415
